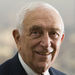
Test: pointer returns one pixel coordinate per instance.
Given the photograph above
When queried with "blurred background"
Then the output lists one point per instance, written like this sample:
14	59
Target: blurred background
66	58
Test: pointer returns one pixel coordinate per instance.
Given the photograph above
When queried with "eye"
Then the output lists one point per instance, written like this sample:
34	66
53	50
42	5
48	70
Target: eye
35	34
54	35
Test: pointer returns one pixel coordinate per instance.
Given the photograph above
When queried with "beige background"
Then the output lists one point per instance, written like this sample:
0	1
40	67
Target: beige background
8	9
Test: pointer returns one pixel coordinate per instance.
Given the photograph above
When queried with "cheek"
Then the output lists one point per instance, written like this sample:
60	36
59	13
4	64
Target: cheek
25	47
57	44
29	46
56	47
33	44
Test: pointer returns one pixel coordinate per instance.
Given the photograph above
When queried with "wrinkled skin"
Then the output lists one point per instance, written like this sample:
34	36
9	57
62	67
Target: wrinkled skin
40	40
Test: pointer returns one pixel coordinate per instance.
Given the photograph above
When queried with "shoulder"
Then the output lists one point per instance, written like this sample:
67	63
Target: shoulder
12	67
54	71
6	67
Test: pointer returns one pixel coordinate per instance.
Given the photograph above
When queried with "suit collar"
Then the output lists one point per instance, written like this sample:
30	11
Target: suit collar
17	67
19	70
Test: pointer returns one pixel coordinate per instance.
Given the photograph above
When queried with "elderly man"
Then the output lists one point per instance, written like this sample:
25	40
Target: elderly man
38	36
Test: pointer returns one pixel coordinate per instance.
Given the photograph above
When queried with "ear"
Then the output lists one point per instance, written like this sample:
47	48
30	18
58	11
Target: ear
16	36
62	37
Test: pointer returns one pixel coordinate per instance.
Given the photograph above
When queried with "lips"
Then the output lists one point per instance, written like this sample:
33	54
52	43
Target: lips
44	53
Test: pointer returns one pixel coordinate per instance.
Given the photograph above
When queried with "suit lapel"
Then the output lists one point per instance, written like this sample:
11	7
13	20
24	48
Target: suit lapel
51	71
17	68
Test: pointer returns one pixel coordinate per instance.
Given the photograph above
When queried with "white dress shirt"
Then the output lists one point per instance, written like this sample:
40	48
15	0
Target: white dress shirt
27	68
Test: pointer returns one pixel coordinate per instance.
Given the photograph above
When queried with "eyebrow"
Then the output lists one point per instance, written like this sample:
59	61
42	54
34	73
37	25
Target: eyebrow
35	27
56	29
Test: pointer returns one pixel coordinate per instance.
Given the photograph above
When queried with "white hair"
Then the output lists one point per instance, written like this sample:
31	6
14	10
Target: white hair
29	7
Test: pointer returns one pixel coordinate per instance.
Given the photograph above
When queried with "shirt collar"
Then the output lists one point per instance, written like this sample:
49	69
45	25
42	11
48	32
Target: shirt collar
27	68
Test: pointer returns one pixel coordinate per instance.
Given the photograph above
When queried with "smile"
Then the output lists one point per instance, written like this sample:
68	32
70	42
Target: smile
43	53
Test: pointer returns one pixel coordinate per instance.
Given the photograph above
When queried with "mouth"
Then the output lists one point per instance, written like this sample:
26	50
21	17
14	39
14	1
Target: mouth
43	53
44	56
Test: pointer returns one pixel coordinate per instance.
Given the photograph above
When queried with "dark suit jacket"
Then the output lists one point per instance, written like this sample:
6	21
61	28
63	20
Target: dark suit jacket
13	67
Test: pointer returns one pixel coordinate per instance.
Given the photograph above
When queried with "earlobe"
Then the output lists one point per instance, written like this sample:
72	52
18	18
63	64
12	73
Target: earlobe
62	37
16	35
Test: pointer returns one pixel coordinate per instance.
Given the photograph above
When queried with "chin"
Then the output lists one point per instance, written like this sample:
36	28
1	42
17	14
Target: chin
43	67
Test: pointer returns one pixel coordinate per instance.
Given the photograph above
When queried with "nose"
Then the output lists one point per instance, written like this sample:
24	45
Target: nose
45	41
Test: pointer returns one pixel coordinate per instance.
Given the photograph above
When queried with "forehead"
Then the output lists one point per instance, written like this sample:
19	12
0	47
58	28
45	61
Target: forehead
46	18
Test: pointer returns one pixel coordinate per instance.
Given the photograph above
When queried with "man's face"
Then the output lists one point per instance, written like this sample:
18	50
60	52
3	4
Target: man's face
40	39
